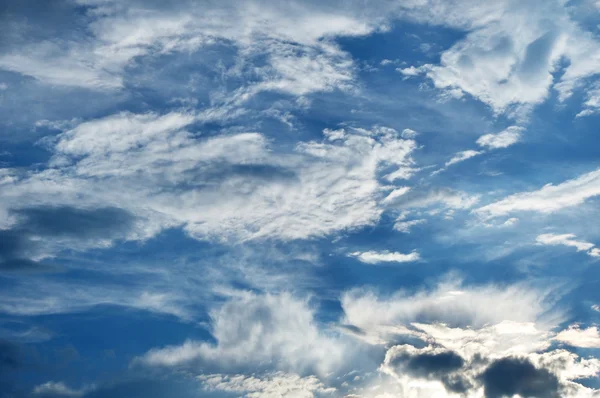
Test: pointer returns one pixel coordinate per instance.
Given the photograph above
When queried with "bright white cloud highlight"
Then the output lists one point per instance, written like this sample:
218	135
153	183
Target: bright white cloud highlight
577	337
373	257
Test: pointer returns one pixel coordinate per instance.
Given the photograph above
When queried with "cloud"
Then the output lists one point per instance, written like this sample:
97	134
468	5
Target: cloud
273	385
58	389
373	257
428	363
38	230
448	303
258	331
510	52
567	240
516	376
446	341
591	106
443	197
503	139
548	199
227	187
462	156
404	226
31	297
291	54
577	337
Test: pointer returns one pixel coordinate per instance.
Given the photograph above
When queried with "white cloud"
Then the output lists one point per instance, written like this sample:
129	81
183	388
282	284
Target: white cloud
409	134
373	257
511	50
59	389
441	197
258	330
577	337
548	199
404	226
567	240
591	106
410	71
462	156
294	38
396	193
451	304
224	187
273	385
503	139
31	298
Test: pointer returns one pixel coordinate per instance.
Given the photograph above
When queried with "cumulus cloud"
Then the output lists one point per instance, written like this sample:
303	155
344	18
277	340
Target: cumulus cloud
516	376
451	344
548	199
567	240
374	257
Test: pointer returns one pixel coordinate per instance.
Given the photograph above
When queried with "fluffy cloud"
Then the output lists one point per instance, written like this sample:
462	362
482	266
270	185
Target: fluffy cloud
567	240
577	337
503	139
548	199
260	331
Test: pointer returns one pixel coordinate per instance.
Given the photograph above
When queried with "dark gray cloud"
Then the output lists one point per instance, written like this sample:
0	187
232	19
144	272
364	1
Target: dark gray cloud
40	225
433	365
429	365
507	377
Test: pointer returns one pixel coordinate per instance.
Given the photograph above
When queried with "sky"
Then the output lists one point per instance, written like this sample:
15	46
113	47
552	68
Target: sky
265	199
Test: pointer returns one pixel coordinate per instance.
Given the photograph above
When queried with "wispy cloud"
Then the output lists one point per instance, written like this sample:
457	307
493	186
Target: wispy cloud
568	240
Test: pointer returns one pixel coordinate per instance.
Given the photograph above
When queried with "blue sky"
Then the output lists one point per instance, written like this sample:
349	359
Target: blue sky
299	199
